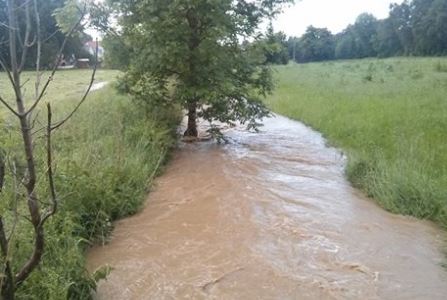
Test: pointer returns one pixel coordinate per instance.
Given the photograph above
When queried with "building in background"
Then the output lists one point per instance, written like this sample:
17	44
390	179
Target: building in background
90	47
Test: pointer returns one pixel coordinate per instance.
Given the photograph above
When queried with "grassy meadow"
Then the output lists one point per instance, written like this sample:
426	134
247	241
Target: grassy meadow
66	83
105	159
389	116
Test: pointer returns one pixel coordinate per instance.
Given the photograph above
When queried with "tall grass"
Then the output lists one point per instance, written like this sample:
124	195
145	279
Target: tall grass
389	116
105	158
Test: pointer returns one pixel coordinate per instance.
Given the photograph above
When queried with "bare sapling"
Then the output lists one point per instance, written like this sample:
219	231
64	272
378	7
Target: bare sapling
24	111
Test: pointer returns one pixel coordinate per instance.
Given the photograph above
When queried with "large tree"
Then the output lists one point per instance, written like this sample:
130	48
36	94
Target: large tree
365	29
201	54
345	47
387	41
429	24
277	48
400	17
317	44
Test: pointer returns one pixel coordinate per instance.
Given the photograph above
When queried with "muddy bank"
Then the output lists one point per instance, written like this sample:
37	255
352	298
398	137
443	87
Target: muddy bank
269	216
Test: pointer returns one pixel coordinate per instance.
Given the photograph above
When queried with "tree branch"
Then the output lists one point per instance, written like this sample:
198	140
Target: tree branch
2	170
53	71
53	207
39	49
8	73
16	199
92	79
9	107
26	43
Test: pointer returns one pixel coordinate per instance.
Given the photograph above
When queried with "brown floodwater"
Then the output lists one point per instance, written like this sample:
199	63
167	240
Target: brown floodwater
268	216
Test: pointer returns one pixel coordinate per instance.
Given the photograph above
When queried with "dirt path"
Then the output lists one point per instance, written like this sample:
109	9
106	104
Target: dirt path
269	216
99	85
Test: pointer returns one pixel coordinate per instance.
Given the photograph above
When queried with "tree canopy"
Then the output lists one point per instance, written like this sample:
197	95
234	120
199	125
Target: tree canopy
200	54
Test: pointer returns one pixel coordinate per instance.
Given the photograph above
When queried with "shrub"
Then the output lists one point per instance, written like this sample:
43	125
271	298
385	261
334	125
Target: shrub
440	67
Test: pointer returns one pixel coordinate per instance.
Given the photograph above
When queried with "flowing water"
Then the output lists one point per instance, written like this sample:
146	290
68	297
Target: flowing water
268	216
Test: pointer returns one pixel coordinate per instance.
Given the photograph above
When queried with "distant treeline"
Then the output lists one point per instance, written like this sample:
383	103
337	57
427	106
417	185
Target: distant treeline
417	27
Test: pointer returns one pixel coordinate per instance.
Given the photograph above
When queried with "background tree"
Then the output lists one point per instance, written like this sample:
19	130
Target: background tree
400	17
345	44
387	41
196	49
429	24
277	48
317	44
117	52
364	30
293	48
103	17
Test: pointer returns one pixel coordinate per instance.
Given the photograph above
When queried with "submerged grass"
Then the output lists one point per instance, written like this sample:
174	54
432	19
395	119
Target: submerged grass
105	158
389	116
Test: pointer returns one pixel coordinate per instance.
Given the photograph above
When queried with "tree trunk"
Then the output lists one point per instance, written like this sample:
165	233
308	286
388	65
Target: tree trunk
7	287
25	128
191	130
2	171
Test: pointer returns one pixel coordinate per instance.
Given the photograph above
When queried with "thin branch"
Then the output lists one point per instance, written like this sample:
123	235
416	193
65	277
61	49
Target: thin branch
50	36
34	120
26	43
23	4
23	84
4	42
15	80
13	170
9	107
39	49
53	207
92	79
53	71
5	25
8	72
2	170
16	201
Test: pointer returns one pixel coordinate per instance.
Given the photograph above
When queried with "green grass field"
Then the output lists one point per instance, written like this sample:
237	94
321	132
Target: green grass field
66	83
389	116
105	159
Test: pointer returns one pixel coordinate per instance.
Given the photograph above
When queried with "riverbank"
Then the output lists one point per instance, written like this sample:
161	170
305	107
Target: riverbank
389	116
105	157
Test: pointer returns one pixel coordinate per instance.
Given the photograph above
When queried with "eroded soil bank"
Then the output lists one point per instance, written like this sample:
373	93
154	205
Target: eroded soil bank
268	216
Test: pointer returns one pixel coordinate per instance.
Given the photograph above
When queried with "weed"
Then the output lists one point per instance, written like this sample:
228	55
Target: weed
441	67
368	78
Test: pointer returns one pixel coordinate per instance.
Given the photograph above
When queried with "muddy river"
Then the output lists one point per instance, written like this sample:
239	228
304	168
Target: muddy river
268	216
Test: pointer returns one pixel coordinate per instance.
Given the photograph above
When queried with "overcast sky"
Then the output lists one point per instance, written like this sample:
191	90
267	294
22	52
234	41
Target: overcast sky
332	14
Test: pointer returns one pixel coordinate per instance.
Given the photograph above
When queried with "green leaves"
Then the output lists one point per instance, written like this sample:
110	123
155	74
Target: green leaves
68	16
199	50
